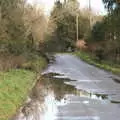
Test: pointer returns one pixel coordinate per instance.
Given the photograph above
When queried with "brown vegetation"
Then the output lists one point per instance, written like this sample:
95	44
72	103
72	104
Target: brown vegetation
81	44
8	61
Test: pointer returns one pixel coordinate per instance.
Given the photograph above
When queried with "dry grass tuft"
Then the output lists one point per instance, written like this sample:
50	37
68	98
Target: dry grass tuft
8	62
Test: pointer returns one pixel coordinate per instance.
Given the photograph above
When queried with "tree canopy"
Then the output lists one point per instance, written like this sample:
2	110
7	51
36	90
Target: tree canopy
111	4
64	17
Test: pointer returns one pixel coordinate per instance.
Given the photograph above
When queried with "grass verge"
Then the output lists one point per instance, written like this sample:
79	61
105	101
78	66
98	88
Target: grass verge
114	68
15	86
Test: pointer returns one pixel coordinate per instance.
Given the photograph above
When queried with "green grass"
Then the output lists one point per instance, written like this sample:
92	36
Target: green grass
14	87
16	84
114	68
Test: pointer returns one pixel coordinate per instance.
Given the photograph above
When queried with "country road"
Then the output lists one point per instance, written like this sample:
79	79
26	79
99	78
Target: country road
86	76
73	90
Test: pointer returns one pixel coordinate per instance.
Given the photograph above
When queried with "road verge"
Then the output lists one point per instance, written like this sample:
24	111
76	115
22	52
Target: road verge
111	67
16	84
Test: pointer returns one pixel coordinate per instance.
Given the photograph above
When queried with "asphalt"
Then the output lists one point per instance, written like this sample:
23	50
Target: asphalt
86	93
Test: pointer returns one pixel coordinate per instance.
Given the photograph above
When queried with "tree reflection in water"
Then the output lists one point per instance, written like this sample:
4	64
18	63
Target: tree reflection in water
48	93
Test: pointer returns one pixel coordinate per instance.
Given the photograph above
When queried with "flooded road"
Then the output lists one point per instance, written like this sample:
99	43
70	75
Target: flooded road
70	89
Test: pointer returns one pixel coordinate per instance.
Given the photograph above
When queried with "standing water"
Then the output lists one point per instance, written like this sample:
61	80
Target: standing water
57	96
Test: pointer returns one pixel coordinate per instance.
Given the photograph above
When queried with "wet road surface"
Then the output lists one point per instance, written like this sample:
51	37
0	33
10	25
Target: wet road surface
70	89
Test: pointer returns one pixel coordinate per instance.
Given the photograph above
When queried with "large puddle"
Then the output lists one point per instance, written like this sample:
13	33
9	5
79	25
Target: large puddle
53	99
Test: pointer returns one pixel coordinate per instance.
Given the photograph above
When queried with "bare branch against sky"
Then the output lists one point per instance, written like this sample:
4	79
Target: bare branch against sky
97	5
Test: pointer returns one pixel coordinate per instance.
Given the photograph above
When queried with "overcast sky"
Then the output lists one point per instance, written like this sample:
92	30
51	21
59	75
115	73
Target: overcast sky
97	5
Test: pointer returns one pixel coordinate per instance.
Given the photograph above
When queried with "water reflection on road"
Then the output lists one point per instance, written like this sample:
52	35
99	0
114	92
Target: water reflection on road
84	96
50	94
